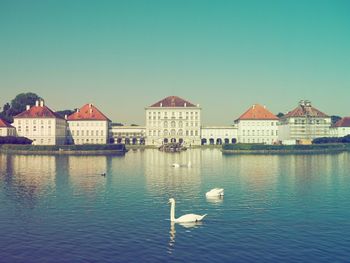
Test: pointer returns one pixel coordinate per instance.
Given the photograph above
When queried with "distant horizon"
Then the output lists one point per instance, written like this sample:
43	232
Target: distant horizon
122	56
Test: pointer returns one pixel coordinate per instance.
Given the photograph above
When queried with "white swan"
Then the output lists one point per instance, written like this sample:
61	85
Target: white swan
185	218
215	192
177	165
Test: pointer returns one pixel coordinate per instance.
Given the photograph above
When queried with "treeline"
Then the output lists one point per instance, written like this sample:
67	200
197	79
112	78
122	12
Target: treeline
14	140
345	139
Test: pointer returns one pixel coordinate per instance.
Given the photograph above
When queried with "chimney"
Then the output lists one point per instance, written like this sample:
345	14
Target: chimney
27	107
185	104
42	103
77	110
65	116
90	105
37	103
253	106
90	111
161	104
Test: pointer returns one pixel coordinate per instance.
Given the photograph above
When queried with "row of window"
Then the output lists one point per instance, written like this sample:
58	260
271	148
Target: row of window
86	133
173	133
173	124
33	121
258	123
257	140
86	124
173	117
89	141
173	113
260	132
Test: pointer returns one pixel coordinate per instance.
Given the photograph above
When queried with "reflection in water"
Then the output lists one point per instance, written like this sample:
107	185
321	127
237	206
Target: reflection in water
29	177
172	232
85	173
215	199
164	180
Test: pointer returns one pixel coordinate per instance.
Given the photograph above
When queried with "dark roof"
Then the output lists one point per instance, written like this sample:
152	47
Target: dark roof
38	112
5	124
88	112
344	122
173	101
305	110
258	112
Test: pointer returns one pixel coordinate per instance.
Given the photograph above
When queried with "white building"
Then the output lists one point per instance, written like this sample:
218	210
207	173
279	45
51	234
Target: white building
128	134
6	129
257	125
304	123
219	134
88	125
173	120
341	128
40	124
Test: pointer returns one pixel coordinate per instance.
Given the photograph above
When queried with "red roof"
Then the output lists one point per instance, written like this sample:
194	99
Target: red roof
258	112
5	124
305	110
38	112
87	112
173	101
344	122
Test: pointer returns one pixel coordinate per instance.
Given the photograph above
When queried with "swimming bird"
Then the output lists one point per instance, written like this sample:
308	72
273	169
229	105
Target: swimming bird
185	218
215	192
103	174
175	165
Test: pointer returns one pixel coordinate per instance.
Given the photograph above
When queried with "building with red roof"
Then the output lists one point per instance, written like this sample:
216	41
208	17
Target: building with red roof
341	128
6	129
305	122
41	124
257	125
173	119
88	125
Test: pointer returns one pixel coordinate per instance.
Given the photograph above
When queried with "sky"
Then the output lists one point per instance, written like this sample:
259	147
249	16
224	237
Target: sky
222	54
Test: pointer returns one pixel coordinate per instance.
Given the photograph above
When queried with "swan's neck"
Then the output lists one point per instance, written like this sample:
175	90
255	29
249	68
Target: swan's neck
172	212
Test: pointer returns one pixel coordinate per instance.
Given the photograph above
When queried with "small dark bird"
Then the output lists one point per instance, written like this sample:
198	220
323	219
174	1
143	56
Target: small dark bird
103	174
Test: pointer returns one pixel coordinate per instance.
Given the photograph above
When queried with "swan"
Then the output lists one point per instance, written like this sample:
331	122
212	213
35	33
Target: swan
185	218
215	192
175	165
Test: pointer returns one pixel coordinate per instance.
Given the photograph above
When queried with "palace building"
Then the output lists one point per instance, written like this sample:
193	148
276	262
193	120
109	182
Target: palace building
305	122
6	129
257	125
88	125
40	124
341	128
173	119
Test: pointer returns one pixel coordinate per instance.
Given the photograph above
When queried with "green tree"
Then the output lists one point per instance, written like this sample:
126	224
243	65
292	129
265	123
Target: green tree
18	104
280	115
334	119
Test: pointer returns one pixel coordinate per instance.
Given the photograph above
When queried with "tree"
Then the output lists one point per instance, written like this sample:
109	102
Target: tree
19	103
334	119
280	115
63	113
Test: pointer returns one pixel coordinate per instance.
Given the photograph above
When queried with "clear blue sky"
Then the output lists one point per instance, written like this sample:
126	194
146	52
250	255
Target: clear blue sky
224	55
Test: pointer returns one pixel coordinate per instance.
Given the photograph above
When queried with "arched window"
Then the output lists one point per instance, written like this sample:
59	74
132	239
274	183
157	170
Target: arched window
173	125
180	132
165	124
165	132
172	132
180	124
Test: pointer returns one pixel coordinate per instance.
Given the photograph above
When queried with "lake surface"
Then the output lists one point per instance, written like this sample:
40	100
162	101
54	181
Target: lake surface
287	208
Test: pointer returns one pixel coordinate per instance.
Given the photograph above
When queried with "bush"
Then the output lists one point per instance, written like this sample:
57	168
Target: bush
323	140
14	140
265	147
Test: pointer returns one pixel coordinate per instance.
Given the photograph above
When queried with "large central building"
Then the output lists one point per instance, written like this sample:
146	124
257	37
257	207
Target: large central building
173	119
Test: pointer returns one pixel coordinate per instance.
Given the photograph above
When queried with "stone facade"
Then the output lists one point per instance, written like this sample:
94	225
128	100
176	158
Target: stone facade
173	120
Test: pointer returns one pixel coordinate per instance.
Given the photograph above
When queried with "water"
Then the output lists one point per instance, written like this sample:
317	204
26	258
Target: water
290	208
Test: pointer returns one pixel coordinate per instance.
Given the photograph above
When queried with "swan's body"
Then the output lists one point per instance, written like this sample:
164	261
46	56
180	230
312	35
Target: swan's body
177	165
185	218
215	192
